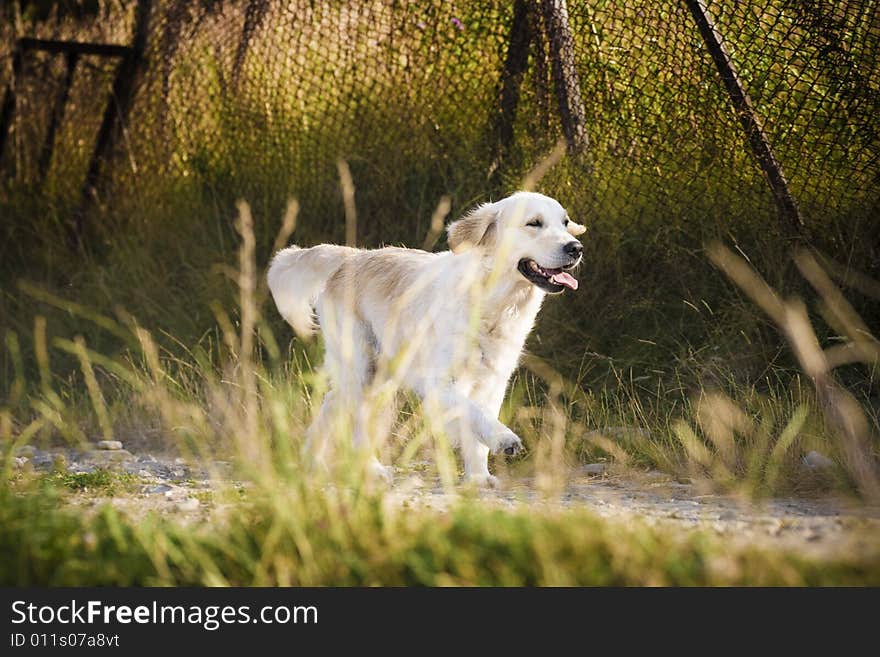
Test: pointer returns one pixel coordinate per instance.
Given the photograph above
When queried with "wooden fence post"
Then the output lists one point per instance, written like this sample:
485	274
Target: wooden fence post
8	108
515	65
565	77
115	115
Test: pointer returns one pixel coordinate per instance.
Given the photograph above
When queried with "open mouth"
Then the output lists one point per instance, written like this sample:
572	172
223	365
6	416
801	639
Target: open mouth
550	280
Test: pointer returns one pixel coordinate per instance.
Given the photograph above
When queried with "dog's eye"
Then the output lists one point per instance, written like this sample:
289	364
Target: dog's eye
566	223
535	223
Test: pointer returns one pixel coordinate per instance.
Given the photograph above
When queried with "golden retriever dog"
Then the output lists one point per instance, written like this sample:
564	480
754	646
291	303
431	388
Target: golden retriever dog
448	326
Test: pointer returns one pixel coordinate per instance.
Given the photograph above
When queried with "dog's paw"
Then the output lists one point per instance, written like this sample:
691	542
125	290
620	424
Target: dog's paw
482	480
507	443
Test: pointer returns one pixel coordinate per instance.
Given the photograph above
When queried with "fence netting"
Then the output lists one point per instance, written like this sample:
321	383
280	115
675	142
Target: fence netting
259	99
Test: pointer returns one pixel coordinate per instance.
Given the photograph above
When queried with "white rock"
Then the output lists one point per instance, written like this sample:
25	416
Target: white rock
19	462
109	444
817	461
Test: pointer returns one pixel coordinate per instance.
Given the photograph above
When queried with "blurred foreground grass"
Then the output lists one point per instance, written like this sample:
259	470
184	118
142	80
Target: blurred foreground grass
301	536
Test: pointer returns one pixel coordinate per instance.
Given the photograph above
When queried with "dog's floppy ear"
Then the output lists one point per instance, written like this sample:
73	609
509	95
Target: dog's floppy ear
477	228
575	229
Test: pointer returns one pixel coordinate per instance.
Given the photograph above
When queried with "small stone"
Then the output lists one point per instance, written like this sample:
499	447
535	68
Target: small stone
816	461
594	468
109	444
189	504
19	462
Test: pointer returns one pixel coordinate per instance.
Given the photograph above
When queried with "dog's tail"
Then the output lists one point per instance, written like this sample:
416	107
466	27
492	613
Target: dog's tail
298	276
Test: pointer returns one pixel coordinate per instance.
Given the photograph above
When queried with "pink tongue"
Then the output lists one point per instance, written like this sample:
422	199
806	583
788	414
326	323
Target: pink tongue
563	278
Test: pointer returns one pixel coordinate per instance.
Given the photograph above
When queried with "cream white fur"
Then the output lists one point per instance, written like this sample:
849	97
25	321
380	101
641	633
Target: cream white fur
448	326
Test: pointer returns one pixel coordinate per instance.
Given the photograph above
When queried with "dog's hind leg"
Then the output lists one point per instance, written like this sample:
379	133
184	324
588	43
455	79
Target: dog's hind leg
373	421
317	444
350	365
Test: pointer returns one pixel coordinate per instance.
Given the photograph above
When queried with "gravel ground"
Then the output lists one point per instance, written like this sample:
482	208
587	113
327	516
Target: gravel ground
817	527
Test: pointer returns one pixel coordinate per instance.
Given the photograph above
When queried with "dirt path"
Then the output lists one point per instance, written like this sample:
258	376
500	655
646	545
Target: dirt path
817	527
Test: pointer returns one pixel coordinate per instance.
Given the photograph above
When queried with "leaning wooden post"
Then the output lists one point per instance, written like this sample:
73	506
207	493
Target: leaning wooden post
790	217
515	65
565	77
115	114
168	44
254	15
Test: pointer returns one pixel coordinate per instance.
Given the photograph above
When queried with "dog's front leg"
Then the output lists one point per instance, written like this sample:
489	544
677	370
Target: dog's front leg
475	453
476	463
477	433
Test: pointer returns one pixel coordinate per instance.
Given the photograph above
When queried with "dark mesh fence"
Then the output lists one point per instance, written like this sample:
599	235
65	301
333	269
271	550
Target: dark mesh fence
812	70
259	99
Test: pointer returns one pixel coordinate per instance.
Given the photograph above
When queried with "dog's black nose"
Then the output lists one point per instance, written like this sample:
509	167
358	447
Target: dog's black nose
573	249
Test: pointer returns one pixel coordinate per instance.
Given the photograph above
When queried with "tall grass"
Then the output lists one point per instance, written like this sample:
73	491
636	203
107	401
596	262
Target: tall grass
239	395
662	418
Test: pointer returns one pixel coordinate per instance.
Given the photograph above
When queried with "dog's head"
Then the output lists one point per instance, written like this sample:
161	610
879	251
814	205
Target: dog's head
527	232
